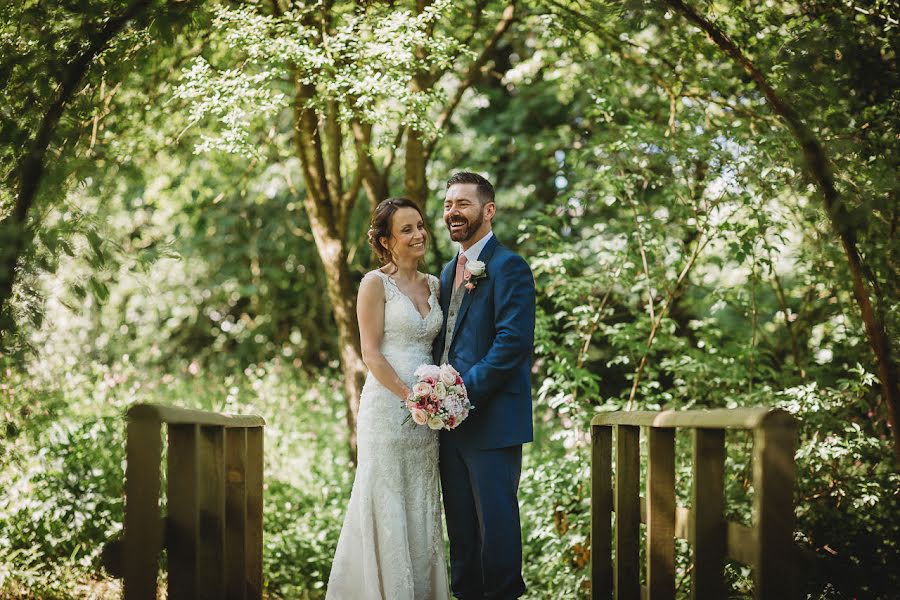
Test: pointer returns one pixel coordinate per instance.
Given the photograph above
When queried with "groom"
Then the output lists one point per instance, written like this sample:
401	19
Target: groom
487	296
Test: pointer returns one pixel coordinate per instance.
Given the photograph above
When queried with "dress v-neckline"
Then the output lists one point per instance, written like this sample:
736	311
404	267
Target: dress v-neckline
411	301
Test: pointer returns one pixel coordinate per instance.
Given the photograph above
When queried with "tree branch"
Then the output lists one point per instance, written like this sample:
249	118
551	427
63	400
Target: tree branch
471	72
372	181
392	153
334	139
309	147
637	231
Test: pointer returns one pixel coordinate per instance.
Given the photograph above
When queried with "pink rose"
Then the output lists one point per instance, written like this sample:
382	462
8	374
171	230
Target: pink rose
422	389
419	416
448	374
428	372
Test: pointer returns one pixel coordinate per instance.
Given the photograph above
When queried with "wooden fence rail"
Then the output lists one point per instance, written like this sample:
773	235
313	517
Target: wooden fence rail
767	546
212	532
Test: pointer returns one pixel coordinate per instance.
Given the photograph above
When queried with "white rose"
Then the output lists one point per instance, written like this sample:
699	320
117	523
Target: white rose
435	423
475	267
440	390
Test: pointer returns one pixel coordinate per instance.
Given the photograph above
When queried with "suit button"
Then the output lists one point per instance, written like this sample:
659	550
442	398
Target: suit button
452	313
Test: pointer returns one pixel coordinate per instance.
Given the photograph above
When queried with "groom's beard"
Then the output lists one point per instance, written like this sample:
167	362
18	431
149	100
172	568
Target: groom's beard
471	228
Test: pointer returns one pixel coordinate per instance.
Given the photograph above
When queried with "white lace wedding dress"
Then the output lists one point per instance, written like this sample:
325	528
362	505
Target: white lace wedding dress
391	545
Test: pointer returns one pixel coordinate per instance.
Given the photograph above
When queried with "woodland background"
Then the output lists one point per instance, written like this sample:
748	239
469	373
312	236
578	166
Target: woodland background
706	192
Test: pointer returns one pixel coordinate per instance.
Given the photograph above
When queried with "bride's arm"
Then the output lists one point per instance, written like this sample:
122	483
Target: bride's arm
370	314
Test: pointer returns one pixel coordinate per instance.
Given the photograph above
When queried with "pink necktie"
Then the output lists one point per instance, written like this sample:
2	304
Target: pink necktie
460	268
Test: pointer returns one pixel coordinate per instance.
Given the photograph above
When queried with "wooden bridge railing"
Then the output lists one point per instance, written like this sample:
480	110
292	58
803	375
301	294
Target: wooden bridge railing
767	546
213	530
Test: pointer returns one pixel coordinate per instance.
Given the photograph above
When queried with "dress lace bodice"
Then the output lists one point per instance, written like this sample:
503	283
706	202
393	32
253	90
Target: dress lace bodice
407	334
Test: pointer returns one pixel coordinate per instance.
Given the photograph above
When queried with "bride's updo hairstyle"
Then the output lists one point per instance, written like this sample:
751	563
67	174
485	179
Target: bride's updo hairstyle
381	225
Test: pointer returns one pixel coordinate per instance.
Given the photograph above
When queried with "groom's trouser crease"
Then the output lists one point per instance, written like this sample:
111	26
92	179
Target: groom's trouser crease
482	514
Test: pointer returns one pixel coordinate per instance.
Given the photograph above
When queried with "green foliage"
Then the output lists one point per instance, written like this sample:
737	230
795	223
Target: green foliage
554	496
302	527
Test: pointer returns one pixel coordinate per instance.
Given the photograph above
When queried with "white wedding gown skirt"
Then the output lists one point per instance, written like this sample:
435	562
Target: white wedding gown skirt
391	545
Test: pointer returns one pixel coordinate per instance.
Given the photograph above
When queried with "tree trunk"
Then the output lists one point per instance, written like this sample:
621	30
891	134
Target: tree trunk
15	231
343	303
328	211
818	168
414	175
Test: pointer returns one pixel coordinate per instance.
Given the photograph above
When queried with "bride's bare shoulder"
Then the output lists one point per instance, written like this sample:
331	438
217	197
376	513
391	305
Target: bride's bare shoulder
372	284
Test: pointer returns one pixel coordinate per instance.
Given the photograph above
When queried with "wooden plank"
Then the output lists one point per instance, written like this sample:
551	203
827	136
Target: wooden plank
773	508
739	543
183	521
708	528
143	535
174	415
601	513
628	513
720	418
235	513
211	506
739	539
661	514
254	512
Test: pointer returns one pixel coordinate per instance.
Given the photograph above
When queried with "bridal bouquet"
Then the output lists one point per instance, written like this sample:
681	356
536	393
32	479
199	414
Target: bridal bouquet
439	398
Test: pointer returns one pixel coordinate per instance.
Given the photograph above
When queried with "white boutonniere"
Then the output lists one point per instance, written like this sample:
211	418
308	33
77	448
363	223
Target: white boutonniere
475	270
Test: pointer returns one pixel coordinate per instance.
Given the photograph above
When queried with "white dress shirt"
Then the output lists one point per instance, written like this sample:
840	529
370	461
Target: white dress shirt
475	250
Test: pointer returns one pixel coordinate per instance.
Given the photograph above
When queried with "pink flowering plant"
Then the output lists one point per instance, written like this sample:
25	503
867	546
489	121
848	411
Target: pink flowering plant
439	398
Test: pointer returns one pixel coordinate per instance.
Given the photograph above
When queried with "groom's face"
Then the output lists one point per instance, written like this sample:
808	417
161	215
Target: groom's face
464	213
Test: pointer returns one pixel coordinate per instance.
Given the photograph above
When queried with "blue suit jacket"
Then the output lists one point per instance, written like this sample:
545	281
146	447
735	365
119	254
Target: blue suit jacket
492	347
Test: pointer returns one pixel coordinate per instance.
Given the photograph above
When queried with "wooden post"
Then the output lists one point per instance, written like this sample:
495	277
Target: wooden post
254	512
143	535
235	513
183	529
708	509
601	513
774	443
211	505
661	514
628	512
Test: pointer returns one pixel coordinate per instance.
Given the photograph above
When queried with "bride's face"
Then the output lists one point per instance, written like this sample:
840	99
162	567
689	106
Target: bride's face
408	235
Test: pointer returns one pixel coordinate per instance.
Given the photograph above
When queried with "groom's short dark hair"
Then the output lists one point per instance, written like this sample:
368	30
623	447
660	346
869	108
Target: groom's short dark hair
485	189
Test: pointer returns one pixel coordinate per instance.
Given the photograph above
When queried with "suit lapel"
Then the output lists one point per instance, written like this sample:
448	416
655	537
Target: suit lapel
486	253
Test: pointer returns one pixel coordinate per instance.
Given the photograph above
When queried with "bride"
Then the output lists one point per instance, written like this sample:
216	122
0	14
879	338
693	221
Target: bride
391	545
